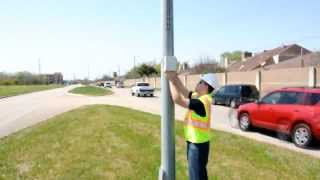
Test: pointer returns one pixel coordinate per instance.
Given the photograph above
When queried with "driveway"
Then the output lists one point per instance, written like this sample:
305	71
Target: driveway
25	110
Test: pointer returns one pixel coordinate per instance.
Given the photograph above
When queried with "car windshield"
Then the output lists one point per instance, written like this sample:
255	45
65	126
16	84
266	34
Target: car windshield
143	84
249	91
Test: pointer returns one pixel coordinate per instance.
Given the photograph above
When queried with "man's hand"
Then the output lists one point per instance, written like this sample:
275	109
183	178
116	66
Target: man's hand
171	75
176	82
177	89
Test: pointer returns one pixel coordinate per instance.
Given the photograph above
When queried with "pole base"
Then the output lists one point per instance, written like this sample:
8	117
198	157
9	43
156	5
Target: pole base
161	174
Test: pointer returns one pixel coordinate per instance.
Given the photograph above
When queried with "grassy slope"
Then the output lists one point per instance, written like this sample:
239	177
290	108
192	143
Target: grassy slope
22	89
91	91
107	142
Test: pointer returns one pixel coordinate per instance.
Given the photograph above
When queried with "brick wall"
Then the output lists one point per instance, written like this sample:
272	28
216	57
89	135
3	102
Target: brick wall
267	80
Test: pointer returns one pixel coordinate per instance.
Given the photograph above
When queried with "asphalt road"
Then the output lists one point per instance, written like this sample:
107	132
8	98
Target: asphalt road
22	111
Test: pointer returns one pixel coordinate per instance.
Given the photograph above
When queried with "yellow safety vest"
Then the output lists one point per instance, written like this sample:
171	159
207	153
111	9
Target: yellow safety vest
196	128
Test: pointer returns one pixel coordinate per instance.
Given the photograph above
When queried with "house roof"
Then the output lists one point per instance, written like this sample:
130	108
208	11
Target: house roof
235	66
311	59
262	58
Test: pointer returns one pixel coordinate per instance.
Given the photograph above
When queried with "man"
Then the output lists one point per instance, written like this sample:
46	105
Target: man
197	120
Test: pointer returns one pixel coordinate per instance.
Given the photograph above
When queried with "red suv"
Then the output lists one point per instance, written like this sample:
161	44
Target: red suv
292	111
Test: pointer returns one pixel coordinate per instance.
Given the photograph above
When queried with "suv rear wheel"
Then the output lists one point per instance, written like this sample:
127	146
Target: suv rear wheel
233	103
244	121
301	135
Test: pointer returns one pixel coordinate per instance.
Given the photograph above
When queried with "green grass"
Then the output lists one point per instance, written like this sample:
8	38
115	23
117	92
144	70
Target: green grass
91	91
13	90
107	142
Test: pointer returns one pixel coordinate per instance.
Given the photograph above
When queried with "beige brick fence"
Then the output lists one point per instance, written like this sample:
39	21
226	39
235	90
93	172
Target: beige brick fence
265	81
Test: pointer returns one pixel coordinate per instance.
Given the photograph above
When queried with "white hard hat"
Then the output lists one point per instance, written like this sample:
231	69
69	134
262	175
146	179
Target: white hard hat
211	79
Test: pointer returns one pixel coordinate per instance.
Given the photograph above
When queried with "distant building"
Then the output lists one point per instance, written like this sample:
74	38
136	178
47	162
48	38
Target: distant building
268	57
55	78
311	59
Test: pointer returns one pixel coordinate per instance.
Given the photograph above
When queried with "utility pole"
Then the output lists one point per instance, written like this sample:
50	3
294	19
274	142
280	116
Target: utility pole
39	66
167	169
39	71
134	68
301	54
88	72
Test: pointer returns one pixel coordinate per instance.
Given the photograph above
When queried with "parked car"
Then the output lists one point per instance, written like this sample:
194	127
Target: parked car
100	84
119	84
235	95
294	112
107	85
142	89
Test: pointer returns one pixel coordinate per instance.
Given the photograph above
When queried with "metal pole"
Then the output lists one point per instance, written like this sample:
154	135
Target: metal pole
301	54
39	66
167	169
88	72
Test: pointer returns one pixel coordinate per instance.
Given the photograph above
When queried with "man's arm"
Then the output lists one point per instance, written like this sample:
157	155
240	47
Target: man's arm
179	93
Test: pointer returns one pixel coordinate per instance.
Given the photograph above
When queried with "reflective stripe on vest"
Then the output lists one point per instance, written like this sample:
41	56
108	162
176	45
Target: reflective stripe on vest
198	124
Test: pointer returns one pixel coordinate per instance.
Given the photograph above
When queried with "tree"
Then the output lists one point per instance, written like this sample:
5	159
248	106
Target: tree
146	70
132	74
21	78
232	56
24	77
206	65
158	68
106	77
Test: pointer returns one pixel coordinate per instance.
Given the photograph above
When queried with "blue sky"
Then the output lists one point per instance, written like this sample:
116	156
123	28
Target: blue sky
72	36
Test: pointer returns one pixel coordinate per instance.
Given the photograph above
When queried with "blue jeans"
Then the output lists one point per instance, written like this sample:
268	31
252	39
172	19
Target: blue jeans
197	155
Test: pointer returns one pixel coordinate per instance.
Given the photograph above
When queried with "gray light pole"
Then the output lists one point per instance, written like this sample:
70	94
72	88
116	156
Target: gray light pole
167	169
39	66
88	72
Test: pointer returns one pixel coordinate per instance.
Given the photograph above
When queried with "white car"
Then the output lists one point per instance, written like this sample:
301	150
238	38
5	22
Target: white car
107	84
142	89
